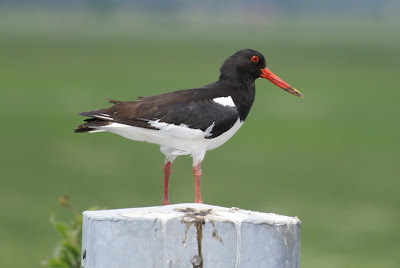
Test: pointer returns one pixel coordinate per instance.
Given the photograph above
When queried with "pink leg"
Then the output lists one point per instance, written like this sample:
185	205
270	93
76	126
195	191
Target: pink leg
197	174
167	172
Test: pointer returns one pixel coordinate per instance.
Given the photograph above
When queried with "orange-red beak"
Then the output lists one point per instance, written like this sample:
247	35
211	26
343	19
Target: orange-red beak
267	74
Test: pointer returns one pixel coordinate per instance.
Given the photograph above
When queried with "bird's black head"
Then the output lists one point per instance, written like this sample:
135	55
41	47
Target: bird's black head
247	65
244	64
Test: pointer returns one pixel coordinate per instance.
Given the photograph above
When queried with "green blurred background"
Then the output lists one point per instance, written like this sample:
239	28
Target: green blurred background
332	158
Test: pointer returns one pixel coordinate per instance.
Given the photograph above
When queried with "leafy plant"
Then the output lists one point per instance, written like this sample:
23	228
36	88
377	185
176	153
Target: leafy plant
67	251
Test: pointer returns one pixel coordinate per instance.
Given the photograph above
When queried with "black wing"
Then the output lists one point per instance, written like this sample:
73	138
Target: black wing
194	108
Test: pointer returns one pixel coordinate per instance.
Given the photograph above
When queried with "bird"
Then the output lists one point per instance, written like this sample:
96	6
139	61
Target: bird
192	121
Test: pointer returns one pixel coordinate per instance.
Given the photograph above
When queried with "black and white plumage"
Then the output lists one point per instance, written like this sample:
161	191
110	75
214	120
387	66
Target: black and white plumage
189	122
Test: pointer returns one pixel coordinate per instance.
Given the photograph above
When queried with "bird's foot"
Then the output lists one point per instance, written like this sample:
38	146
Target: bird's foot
166	202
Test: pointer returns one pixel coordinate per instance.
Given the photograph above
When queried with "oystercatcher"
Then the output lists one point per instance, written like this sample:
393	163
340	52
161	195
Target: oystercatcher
189	122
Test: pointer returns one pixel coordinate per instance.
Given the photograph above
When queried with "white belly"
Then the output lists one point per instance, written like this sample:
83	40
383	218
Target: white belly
192	144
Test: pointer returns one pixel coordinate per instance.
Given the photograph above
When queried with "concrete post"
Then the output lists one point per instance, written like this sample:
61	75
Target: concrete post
189	235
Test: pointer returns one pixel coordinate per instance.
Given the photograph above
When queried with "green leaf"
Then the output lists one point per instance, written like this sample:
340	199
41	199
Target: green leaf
72	249
62	228
57	263
67	251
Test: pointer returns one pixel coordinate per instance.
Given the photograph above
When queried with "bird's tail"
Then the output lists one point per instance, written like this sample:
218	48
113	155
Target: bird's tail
92	124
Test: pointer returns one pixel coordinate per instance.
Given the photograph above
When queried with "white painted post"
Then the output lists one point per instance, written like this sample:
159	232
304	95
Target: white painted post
189	235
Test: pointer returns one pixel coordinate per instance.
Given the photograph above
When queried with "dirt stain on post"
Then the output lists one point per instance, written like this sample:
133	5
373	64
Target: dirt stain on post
199	231
216	236
197	218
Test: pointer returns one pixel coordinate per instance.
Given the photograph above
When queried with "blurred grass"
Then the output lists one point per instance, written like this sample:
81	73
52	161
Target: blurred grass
331	158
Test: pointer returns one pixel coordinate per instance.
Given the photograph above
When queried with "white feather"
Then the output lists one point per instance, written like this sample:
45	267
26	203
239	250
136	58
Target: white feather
175	140
225	101
182	131
103	116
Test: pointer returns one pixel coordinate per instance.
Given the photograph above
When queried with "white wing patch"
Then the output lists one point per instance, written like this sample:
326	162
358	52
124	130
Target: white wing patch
225	101
182	131
209	129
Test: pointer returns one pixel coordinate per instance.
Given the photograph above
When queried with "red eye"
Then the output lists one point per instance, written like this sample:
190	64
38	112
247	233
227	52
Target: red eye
255	59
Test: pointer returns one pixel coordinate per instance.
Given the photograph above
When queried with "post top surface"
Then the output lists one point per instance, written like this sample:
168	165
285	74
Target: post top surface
192	210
